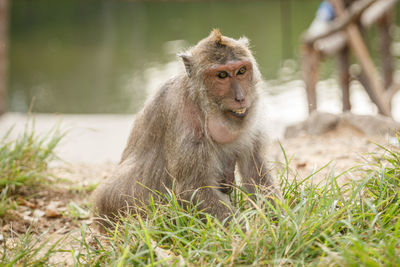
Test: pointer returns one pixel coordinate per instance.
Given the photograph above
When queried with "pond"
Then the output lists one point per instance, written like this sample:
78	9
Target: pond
93	56
103	56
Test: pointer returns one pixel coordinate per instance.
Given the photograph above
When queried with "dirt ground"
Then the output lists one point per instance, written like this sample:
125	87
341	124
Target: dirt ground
344	149
62	208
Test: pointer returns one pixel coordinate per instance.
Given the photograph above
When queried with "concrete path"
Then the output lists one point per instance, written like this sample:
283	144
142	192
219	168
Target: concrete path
89	138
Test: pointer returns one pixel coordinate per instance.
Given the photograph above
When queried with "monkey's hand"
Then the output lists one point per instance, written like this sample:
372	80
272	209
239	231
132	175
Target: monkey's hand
210	200
225	186
256	175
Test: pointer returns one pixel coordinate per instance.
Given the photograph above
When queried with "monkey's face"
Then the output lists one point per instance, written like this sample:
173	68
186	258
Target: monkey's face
230	87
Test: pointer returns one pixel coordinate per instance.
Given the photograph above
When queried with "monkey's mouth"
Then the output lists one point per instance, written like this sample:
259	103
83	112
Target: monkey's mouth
240	113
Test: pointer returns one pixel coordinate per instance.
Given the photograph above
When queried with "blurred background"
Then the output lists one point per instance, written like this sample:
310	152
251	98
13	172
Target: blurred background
97	56
101	56
95	60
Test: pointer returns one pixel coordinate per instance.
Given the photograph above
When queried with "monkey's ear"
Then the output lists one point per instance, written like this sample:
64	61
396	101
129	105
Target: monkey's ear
187	61
244	41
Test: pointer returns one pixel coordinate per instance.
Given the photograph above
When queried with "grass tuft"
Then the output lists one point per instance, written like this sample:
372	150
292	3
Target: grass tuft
28	249
24	161
24	166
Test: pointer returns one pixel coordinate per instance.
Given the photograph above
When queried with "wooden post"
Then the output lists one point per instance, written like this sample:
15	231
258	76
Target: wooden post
361	52
3	54
363	79
344	77
385	42
309	65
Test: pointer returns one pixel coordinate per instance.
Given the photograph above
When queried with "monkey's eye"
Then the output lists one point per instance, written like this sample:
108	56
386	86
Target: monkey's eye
222	74
242	70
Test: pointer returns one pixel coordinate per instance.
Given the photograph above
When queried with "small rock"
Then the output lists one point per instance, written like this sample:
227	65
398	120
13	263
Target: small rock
78	212
38	213
376	125
26	203
54	204
317	123
89	221
301	165
26	213
53	210
12	242
394	141
21	228
30	219
52	213
167	255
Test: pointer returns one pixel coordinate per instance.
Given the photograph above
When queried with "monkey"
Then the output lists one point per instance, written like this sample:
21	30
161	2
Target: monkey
193	132
227	182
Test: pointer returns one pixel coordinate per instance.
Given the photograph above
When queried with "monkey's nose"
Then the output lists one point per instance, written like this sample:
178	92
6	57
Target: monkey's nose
238	92
240	98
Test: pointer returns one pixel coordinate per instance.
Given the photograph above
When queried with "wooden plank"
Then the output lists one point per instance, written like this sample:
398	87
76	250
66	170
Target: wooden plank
339	23
361	52
377	11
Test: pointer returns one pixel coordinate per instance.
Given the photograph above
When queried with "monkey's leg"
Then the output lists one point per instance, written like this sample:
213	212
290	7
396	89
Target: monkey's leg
121	193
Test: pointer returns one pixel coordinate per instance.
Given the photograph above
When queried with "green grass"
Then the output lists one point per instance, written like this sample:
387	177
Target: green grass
355	224
326	224
24	162
29	250
23	168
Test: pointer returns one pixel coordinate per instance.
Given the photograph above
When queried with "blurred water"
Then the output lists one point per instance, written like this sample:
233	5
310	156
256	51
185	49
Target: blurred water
97	56
102	56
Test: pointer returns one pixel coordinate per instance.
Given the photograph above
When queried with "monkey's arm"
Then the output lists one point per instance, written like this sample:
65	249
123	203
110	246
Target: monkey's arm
194	171
201	187
255	173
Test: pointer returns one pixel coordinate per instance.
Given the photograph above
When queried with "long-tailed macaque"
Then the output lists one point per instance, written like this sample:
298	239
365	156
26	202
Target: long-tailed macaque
190	136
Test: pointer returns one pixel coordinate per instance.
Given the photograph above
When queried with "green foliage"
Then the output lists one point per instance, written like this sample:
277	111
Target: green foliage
28	250
77	212
83	189
24	161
